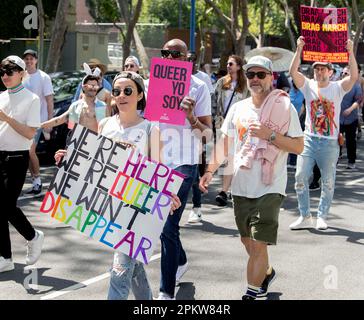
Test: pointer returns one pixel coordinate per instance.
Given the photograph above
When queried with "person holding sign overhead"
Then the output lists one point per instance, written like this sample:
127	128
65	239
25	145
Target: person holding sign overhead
181	152
323	103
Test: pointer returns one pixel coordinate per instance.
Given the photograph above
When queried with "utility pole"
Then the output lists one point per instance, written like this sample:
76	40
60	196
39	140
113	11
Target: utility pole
192	25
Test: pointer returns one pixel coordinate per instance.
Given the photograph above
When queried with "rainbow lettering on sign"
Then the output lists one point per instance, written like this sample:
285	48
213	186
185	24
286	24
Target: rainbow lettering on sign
112	193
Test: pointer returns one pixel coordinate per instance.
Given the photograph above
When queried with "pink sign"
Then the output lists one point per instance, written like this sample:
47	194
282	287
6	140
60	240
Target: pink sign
169	83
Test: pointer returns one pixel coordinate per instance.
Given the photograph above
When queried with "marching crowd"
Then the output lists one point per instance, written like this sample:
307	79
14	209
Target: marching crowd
257	127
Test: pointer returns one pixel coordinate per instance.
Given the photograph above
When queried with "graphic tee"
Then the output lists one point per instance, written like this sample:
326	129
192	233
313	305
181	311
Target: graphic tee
248	182
323	109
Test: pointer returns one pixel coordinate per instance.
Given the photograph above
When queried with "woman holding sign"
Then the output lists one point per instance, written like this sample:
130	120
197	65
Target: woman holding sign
129	128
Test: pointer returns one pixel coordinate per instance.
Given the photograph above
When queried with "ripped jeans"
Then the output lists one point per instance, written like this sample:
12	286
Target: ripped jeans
128	273
325	153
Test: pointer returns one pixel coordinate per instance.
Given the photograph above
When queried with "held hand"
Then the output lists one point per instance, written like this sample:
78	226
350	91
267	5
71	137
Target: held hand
205	181
188	105
347	112
260	131
176	203
59	156
300	42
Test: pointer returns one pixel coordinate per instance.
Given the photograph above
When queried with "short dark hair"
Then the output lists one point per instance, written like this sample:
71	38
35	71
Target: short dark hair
90	78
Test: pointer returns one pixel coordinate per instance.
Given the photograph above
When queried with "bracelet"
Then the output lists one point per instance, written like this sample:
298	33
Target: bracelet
192	125
209	171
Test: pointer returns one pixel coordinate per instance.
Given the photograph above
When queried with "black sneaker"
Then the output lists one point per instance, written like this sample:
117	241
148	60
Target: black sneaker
266	283
247	297
314	186
36	189
222	199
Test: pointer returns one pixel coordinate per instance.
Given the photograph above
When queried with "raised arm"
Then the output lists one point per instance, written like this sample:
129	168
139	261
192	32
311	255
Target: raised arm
348	82
298	77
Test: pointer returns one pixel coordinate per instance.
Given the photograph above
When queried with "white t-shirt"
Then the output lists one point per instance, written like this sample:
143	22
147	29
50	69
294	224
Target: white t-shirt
248	182
205	78
228	94
317	122
181	145
24	107
136	135
40	83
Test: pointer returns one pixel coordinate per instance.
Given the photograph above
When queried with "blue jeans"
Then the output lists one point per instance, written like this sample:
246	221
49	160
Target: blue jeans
325	153
173	254
127	272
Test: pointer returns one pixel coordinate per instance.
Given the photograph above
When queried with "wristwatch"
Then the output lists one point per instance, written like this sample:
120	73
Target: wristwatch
272	137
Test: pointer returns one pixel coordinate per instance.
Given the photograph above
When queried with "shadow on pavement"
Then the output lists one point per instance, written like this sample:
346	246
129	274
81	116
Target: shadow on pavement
352	236
186	291
212	228
30	278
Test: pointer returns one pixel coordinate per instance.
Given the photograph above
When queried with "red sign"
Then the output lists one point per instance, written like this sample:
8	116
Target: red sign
326	32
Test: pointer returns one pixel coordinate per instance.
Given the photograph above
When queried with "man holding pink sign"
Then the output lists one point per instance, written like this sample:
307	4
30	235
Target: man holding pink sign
182	104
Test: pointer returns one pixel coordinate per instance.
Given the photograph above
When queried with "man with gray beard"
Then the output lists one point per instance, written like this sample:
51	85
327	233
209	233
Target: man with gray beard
263	129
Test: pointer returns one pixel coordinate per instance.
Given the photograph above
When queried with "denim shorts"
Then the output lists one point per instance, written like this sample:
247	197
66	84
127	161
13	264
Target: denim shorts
257	218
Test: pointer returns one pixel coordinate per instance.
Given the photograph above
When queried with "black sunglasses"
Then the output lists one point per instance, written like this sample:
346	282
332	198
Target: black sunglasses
230	64
260	74
129	66
9	72
128	91
174	53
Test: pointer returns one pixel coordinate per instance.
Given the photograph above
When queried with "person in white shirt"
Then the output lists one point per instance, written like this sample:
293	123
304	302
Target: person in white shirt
229	90
19	120
39	83
182	153
256	199
323	104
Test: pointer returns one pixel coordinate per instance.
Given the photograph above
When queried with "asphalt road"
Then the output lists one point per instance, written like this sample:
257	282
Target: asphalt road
310	264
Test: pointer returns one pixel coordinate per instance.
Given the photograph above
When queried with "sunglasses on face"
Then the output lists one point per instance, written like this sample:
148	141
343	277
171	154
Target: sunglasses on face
129	66
128	91
173	53
345	74
8	72
230	64
260	74
93	86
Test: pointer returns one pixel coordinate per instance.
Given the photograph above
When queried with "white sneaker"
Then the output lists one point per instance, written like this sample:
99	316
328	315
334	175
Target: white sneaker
6	264
180	272
165	296
302	222
321	224
195	215
34	248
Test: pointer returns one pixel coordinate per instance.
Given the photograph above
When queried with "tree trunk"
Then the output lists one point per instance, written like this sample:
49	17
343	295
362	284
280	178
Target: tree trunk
141	52
130	17
288	24
40	34
359	19
263	10
58	37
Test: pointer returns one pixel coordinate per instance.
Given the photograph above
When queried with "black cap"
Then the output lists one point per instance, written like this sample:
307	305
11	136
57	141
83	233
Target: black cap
31	52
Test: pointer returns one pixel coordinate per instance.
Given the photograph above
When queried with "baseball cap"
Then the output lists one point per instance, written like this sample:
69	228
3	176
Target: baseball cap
16	60
134	59
139	81
259	61
323	63
31	52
